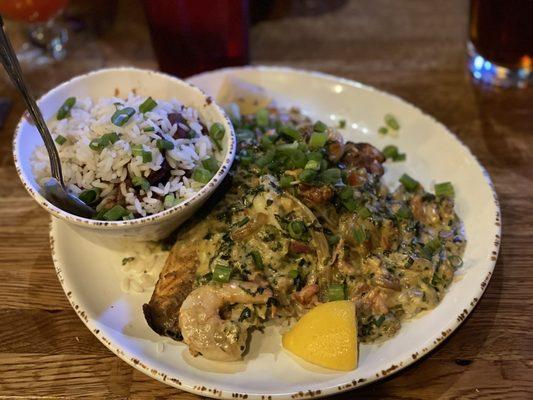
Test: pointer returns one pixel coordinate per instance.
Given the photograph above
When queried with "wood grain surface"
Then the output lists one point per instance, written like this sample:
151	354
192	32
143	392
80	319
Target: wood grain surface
412	48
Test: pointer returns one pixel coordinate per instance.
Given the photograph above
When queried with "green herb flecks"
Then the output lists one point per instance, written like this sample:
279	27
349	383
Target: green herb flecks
391	122
122	116
444	189
148	105
336	292
216	133
64	110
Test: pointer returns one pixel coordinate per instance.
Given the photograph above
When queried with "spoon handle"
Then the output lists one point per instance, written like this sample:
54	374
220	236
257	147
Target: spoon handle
10	63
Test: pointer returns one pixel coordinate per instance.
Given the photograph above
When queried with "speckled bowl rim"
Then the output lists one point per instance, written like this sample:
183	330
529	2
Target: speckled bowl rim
204	192
202	390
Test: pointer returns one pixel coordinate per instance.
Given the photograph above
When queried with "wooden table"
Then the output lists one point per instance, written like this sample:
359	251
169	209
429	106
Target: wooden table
415	49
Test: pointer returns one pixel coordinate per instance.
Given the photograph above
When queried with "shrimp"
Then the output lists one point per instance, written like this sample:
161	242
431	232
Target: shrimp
202	328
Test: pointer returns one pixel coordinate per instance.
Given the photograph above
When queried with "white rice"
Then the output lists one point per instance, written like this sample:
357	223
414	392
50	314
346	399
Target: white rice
109	169
140	270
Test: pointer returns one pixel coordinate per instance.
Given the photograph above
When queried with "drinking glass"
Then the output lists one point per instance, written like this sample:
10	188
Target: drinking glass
192	36
46	37
500	48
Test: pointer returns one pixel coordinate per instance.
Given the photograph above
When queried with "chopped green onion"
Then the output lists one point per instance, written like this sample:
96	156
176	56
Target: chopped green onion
403	212
89	196
330	176
211	164
363	212
350	204
103	141
455	261
266	143
163	144
286	148
222	273
346	193
245	135
60	139
342	123
96	145
383	130
293	274
391	153
290	133
128	217
149	129
444	189
257	259
262	118
296	229
313	165
347	200
333	240
109	138
430	248
242	222
148	105
147	156
409	183
141	182
319	126
295	157
64	110
170	200
245	158
217	131
318	140
400	157
336	292
100	214
303	147
137	149
359	234
266	159
391	122
217	144
115	213
315	156
122	116
202	175
285	181
307	175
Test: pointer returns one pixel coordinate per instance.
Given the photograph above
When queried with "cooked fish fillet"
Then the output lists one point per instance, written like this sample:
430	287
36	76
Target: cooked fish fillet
175	282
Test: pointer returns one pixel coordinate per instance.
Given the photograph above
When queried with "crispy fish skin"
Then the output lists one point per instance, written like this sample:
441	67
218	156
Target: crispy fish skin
175	283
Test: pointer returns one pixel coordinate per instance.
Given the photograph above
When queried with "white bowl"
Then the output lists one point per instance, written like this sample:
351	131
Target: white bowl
106	83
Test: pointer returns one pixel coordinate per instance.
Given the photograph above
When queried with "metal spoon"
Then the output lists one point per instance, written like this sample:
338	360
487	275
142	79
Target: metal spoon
54	190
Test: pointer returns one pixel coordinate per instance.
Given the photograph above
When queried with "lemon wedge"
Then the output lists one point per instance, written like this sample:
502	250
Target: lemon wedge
326	336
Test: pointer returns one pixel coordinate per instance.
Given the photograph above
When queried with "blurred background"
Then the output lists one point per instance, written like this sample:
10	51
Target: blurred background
493	38
438	55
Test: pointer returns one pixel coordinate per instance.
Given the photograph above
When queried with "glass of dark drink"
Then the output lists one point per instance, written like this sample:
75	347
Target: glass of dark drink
501	42
192	36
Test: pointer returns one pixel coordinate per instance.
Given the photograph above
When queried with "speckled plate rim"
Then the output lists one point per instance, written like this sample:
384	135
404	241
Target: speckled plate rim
178	382
203	193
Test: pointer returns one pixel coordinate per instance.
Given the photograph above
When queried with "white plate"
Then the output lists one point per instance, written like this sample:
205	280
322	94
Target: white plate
91	277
